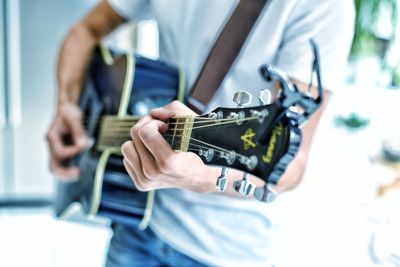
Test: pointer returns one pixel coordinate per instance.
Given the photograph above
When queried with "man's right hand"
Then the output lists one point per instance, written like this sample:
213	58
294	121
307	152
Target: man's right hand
74	59
66	124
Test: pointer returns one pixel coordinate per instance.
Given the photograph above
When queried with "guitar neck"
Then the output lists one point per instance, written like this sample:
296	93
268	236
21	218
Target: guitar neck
114	131
225	137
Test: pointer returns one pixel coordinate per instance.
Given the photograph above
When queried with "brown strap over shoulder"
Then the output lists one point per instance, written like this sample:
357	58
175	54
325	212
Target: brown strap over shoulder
224	52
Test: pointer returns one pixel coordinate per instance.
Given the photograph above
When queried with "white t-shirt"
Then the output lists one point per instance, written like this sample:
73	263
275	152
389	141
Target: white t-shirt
215	229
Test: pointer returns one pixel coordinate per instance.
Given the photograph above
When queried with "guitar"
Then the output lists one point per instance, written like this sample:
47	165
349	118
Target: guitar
116	86
260	141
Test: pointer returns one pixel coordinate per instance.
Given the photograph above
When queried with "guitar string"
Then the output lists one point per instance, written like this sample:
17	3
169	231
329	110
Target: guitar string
207	144
204	145
227	122
106	123
126	134
132	118
205	120
129	121
135	119
199	141
127	118
212	123
124	130
196	150
198	147
123	134
191	138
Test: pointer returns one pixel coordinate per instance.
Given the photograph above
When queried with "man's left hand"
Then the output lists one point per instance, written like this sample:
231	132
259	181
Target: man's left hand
152	163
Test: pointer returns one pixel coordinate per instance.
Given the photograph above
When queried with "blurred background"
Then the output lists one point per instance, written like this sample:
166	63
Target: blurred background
345	213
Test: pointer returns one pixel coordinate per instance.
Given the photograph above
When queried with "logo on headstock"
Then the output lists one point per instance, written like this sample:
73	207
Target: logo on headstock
276	132
247	139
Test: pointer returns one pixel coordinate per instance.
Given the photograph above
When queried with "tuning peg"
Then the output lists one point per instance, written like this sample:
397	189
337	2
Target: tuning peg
242	98
264	97
265	193
222	180
244	186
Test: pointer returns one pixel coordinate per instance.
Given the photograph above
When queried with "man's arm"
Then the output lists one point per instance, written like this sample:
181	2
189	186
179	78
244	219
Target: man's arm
294	172
76	51
74	58
152	163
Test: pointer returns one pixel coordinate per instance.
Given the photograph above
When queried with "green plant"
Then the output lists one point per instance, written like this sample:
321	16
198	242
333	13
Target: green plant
352	121
366	42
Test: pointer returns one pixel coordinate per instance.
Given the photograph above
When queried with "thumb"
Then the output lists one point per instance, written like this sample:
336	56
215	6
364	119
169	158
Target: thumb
77	130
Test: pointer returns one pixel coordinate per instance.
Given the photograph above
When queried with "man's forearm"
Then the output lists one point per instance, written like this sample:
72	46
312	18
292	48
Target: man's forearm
74	58
77	49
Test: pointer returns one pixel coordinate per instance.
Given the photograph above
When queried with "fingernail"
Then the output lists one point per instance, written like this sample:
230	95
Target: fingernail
81	142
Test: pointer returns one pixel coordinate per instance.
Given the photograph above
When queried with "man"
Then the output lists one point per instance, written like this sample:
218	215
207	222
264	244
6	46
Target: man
192	224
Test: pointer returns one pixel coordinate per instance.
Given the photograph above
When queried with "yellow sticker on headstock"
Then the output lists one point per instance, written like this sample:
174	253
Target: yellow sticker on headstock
247	139
276	132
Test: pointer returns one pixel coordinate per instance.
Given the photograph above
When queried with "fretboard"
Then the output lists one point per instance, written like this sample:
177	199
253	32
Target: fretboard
114	131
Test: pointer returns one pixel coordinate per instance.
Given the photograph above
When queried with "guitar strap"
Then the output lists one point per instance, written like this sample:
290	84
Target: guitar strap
224	52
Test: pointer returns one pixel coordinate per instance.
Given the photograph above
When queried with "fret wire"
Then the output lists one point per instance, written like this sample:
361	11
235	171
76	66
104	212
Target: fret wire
173	137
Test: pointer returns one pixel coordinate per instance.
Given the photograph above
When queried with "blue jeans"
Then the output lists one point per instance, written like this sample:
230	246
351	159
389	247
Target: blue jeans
130	247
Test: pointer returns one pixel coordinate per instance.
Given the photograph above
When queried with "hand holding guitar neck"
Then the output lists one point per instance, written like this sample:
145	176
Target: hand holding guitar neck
153	164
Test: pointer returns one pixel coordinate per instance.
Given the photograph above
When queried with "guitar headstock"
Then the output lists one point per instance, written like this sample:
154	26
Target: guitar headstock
259	141
227	137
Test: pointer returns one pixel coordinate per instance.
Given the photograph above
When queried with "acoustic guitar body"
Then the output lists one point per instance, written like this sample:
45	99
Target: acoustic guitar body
119	86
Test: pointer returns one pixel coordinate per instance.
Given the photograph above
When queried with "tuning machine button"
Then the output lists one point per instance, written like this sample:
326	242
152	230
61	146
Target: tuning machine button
244	186
264	97
249	162
266	193
242	98
222	180
216	115
207	153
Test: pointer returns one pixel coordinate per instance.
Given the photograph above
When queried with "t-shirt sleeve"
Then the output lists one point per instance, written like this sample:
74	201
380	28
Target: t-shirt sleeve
131	9
330	24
